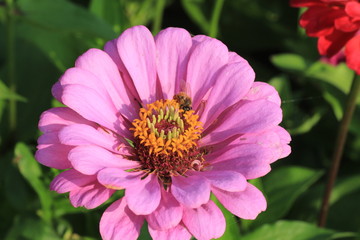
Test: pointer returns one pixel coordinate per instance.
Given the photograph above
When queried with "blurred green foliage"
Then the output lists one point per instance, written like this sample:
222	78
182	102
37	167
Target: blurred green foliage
42	38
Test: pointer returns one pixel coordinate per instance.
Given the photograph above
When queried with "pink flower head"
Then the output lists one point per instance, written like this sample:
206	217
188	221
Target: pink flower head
169	120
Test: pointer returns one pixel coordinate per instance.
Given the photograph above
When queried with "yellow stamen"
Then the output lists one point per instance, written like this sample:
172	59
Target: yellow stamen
166	129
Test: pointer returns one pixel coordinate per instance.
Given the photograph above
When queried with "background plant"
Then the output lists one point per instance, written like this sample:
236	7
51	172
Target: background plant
39	39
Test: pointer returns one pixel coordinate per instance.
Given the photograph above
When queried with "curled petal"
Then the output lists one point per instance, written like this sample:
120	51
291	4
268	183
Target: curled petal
90	196
176	233
118	222
246	204
191	191
227	180
70	180
168	214
51	153
205	222
55	119
144	197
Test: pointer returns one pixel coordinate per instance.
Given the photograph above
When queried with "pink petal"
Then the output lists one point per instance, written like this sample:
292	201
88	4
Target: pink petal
90	196
247	117
233	82
137	50
191	191
275	139
78	76
234	57
70	180
205	222
199	39
246	204
52	154
48	138
261	90
56	118
103	67
173	45
81	134
205	60
116	178
91	159
227	180
118	222
111	49
251	160
285	139
57	90
176	233
94	107
144	197
167	215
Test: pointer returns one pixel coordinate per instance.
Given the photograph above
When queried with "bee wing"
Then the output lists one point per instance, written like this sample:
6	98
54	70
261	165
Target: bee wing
185	87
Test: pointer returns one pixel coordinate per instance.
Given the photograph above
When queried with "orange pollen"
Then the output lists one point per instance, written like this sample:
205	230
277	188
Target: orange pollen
165	129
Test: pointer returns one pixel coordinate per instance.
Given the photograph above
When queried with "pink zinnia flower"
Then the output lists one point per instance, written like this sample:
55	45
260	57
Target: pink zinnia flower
131	124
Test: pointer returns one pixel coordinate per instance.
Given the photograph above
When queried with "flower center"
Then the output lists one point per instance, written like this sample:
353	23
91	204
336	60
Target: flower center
166	138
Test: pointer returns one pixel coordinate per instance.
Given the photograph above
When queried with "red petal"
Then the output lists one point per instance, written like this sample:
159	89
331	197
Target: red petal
319	21
346	24
305	3
352	53
331	44
353	10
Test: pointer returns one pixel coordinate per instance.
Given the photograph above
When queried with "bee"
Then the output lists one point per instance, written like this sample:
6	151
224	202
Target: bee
183	96
184	100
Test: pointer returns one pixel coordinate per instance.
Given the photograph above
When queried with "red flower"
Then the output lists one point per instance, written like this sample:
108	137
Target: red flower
337	25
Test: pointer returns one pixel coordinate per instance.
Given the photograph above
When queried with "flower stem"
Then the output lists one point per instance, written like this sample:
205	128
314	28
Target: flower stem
10	31
339	147
159	10
214	24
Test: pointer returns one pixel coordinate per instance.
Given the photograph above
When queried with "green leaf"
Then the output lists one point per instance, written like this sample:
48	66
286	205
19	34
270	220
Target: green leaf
339	76
31	228
7	94
16	190
111	11
289	62
335	104
64	16
194	8
307	124
343	204
31	171
138	12
292	230
335	82
296	121
282	187
61	29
